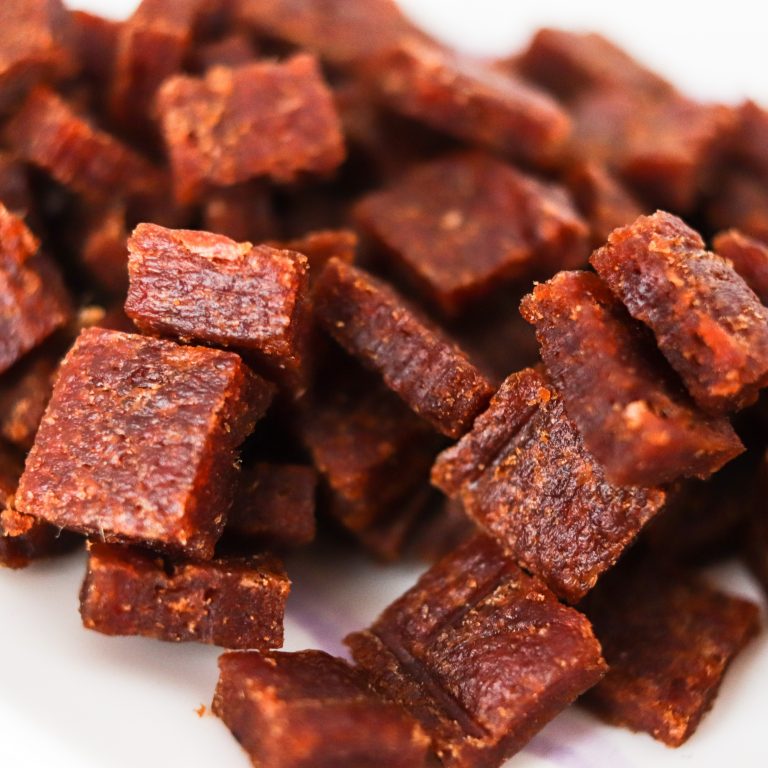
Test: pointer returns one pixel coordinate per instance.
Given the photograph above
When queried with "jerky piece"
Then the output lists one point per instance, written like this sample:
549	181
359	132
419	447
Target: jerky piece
444	531
459	225
33	301
232	602
630	409
481	654
707	322
524	476
749	258
749	145
321	246
668	639
95	42
311	710
262	119
103	251
740	201
470	100
206	287
232	50
373	323
243	212
15	193
139	441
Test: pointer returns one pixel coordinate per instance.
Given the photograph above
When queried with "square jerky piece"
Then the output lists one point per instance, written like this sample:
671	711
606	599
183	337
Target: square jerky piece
633	414
469	99
460	225
415	359
33	301
481	654
708	323
139	440
525	477
206	287
233	602
668	639
268	118
312	710
749	258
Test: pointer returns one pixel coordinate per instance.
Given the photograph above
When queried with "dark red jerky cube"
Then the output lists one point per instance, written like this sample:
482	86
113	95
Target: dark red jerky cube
206	287
139	440
415	359
243	212
526	478
740	200
311	710
707	322
748	256
33	300
321	246
233	602
481	654
668	639
470	100
630	409
460	225
273	119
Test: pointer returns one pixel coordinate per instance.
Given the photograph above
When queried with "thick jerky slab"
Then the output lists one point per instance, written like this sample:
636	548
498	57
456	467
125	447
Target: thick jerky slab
233	602
268	118
33	301
242	212
749	258
206	287
633	414
375	325
525	476
707	322
321	246
481	654
139	440
459	225
668	639
470	100
312	710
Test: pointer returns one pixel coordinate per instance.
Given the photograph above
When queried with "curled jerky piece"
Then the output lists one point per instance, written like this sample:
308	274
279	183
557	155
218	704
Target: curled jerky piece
233	602
139	440
268	118
668	639
633	414
311	710
205	287
707	322
525	476
481	654
460	225
749	258
375	325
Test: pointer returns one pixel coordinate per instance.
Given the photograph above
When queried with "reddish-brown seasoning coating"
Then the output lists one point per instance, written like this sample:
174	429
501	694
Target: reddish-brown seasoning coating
312	710
707	322
481	654
139	440
749	258
525	476
232	602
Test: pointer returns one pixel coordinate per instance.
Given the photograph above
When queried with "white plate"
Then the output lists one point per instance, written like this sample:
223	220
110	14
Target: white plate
75	699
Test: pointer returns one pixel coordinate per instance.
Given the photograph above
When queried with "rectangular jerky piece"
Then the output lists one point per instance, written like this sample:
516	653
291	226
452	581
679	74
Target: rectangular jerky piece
312	710
748	256
415	359
668	639
630	409
233	602
274	119
138	443
205	287
460	225
707	322
525	477
481	654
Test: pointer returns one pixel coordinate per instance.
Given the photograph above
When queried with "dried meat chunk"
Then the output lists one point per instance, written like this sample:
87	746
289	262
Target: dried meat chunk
312	710
103	251
526	478
707	322
15	192
749	144
460	225
415	359
668	639
95	43
242	212
139	440
321	246
232	50
481	654
740	200
748	256
444	531
205	287
630	409
268	118
236	602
